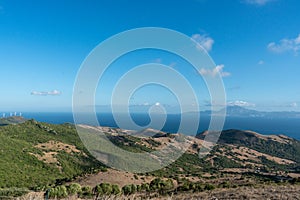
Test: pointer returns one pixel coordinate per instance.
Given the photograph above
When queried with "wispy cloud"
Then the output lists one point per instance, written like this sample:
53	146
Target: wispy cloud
241	103
286	45
215	71
258	2
49	93
203	41
231	103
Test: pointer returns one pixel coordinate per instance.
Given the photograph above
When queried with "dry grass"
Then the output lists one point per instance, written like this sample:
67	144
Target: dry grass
112	176
283	192
50	150
260	193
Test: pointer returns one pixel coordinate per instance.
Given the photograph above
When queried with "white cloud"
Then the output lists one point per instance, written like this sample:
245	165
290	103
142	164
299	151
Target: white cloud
294	105
285	45
240	103
258	2
213	72
261	62
157	104
49	93
203	41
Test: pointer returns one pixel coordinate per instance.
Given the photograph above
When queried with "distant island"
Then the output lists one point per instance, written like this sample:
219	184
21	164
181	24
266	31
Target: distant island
238	111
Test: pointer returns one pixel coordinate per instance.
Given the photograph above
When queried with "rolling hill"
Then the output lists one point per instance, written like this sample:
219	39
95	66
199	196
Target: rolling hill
36	156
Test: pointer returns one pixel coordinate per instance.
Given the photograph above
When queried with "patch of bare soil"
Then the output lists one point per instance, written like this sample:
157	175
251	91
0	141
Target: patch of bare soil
245	153
265	192
50	150
114	177
58	146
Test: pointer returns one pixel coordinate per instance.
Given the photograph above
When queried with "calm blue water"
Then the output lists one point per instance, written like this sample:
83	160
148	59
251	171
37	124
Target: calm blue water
289	127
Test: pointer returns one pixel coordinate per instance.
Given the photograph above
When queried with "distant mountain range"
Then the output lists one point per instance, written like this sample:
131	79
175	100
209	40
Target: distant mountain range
238	111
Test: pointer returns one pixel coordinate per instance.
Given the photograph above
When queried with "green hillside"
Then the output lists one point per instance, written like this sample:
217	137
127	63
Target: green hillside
37	156
25	164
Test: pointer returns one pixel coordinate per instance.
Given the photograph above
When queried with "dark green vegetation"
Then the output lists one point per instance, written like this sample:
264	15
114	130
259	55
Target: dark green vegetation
156	188
24	164
290	149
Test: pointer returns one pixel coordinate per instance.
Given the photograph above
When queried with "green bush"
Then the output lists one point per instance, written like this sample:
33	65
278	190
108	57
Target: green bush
209	187
129	189
106	188
74	188
98	190
61	191
86	191
145	187
116	190
58	192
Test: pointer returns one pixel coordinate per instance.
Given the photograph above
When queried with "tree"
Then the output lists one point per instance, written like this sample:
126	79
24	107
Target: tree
98	190
127	189
86	191
155	184
106	188
116	190
145	187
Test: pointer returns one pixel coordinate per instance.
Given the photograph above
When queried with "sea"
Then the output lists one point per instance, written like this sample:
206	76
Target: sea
266	126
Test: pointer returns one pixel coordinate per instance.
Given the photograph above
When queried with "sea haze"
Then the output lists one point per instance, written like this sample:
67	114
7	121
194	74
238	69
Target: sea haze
261	124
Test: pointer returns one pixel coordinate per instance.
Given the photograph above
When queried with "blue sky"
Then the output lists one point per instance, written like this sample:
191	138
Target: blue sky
254	43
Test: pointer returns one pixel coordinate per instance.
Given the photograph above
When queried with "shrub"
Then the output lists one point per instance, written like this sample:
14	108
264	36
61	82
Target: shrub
74	188
145	187
155	184
209	187
127	189
58	192
106	188
98	190
116	190
61	191
86	191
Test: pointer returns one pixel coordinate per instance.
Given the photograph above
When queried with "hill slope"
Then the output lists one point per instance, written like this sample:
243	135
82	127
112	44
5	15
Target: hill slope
37	155
34	155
